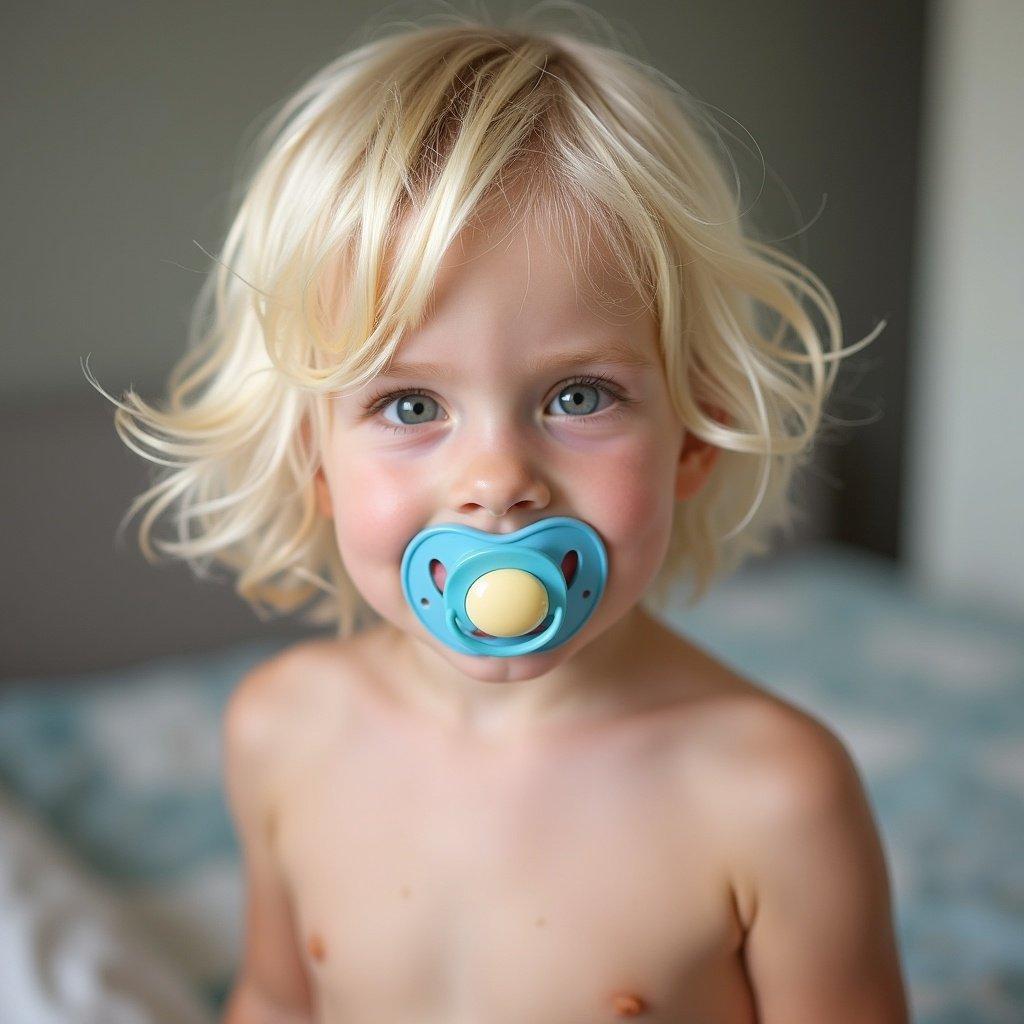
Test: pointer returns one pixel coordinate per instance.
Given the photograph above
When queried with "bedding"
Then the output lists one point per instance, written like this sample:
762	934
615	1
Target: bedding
71	952
124	768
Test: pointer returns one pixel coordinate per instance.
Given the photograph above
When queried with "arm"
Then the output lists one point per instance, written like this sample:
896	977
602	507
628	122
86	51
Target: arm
271	986
820	945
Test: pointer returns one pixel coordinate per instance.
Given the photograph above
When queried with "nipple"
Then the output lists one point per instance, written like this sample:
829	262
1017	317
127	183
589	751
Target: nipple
316	947
507	602
625	1004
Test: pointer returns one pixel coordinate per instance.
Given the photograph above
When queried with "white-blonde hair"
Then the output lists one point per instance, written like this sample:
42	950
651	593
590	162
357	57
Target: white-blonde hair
435	125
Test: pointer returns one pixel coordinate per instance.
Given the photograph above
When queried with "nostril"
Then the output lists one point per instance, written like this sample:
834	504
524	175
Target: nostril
569	566
438	574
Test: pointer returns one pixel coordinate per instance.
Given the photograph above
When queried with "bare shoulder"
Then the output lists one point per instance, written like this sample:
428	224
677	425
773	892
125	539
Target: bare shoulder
775	780
278	707
749	736
765	751
790	823
765	744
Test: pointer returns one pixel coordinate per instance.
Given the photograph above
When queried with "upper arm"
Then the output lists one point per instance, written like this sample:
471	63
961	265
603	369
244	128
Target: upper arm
272	977
820	945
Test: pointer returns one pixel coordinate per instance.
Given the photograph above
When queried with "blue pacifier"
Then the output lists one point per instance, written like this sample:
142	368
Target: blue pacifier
505	594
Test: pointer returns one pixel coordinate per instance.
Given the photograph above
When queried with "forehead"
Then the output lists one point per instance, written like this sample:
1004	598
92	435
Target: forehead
525	287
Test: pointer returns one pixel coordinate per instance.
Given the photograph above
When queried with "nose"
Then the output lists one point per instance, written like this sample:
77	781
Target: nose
497	480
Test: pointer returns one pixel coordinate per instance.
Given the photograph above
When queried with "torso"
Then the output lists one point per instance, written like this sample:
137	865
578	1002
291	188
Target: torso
573	884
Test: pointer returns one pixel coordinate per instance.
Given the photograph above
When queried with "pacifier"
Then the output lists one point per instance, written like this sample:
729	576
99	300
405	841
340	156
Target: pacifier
505	594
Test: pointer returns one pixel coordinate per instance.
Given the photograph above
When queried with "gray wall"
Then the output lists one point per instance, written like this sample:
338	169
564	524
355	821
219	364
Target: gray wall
964	522
125	123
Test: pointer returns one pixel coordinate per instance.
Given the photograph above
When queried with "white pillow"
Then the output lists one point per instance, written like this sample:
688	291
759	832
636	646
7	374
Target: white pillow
69	951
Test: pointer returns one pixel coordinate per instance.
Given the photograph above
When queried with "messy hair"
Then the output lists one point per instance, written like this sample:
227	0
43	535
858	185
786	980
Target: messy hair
434	126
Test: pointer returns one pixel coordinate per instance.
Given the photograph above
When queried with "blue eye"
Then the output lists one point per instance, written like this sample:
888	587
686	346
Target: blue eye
577	399
414	408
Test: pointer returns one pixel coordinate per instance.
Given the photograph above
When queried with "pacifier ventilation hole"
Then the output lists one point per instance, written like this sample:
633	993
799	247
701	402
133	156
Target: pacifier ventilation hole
570	563
439	574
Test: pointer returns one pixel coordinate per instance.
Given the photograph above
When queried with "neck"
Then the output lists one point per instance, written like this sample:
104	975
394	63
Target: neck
516	698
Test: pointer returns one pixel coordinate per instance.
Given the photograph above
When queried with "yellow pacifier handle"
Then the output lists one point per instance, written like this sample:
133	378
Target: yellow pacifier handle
507	602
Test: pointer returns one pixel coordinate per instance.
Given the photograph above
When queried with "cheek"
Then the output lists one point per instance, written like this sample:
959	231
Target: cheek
376	510
631	500
633	490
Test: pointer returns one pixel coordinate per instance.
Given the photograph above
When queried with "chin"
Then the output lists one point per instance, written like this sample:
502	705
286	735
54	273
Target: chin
490	669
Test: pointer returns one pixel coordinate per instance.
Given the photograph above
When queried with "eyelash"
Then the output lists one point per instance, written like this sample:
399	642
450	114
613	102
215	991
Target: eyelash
599	381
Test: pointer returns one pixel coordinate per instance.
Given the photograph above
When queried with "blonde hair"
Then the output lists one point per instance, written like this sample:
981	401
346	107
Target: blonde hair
438	124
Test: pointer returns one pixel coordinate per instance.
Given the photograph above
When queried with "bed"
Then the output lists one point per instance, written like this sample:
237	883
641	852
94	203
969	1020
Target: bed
114	831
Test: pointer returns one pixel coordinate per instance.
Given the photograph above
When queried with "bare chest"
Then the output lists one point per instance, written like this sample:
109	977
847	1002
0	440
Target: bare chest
457	889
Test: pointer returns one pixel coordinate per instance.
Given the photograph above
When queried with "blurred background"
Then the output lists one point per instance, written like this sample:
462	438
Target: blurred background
893	149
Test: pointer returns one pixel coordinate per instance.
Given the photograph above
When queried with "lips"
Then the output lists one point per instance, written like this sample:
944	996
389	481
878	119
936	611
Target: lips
570	563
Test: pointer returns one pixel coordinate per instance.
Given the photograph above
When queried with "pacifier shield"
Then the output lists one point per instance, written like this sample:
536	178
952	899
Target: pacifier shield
512	588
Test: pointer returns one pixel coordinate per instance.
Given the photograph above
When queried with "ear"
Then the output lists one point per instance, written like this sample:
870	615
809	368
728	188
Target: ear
323	494
697	459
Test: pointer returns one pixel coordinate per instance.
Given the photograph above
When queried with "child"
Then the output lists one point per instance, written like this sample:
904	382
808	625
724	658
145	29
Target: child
487	282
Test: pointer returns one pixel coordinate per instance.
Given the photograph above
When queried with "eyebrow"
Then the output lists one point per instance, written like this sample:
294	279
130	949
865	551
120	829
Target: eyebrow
616	352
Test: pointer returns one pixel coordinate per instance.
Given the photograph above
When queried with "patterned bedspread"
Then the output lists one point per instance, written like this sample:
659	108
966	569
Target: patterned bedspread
125	768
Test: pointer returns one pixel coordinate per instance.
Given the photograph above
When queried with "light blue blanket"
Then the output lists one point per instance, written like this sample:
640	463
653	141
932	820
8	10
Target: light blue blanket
928	698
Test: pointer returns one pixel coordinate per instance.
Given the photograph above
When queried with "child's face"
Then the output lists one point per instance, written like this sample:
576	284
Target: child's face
489	443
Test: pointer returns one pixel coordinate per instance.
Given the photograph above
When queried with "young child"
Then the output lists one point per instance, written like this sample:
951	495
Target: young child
487	290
